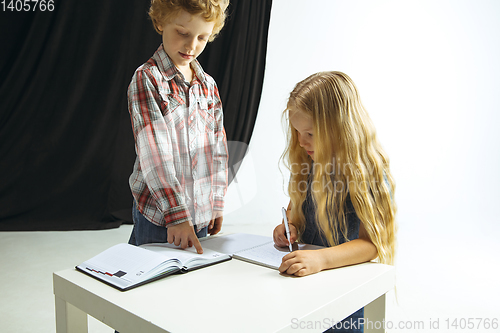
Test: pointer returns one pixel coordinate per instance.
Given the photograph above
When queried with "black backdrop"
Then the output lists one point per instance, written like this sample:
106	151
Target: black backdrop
66	145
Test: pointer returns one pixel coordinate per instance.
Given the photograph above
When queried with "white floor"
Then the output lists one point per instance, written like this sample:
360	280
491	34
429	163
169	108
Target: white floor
433	287
27	262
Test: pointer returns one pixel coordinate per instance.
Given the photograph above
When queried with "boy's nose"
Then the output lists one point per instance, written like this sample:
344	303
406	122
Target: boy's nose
191	46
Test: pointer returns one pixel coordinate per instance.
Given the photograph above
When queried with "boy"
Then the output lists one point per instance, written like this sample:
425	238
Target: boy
180	174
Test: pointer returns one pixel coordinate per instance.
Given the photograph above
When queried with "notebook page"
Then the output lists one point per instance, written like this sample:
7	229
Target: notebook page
188	257
267	255
270	255
230	244
124	262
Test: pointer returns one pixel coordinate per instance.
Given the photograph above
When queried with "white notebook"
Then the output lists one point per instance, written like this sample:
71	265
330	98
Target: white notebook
256	249
126	266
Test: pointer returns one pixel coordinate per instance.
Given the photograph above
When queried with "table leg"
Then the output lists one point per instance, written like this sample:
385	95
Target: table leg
69	319
375	316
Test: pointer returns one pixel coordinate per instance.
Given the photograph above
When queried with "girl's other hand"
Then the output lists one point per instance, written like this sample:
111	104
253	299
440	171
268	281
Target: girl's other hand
279	235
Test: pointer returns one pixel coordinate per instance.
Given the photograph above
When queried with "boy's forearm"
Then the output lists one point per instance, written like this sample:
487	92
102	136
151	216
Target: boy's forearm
218	204
350	253
220	179
177	215
219	187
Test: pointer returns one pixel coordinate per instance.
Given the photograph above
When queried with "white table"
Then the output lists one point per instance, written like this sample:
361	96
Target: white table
233	296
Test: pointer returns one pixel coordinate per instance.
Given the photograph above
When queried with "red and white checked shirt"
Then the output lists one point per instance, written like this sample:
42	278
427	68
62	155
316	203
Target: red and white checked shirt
180	173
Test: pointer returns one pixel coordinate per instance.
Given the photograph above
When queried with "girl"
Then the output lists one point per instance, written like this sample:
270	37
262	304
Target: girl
341	187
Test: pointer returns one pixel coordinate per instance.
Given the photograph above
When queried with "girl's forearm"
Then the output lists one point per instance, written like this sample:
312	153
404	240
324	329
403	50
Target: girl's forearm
350	253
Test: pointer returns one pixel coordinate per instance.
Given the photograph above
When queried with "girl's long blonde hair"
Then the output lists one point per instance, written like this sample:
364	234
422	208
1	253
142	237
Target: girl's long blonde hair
348	161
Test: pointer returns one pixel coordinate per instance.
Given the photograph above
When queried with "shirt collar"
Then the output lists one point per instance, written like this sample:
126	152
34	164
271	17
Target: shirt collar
168	68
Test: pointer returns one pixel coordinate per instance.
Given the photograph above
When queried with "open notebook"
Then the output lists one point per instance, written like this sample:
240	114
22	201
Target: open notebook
125	266
256	249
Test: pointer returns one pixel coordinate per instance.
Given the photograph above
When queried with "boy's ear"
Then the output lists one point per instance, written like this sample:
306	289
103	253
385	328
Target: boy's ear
159	26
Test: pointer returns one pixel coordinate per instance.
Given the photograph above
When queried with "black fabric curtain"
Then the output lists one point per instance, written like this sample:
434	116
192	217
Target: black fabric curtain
66	143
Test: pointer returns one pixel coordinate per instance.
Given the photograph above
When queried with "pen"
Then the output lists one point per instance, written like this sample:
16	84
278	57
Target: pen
285	221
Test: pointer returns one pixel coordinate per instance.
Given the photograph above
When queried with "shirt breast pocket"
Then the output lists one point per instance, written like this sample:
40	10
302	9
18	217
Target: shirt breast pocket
172	111
206	113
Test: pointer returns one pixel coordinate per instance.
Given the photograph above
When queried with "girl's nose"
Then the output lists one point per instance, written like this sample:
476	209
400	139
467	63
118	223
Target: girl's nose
301	141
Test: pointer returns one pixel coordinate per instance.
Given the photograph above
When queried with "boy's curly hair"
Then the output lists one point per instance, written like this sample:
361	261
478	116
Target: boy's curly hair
163	11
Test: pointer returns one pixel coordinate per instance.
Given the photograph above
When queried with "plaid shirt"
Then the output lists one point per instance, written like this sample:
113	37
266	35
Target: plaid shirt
180	173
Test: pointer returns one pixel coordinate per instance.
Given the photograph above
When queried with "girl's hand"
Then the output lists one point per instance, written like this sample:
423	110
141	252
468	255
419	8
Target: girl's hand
302	262
279	235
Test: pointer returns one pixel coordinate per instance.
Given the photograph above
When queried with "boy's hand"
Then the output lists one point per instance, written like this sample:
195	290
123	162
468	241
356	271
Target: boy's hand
279	235
216	222
183	234
302	262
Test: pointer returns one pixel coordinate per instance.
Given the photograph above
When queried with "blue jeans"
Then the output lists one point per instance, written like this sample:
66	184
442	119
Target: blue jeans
145	232
350	324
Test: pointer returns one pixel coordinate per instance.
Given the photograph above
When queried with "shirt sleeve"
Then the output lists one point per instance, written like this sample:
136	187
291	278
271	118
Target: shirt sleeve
220	156
154	148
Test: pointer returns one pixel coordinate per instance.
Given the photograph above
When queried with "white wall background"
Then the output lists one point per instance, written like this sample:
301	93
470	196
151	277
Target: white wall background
429	74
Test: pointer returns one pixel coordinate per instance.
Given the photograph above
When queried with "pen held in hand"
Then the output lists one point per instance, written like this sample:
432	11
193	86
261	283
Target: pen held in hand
287	228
